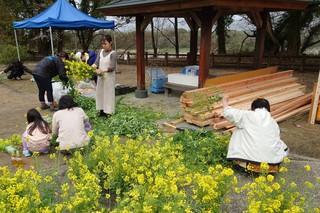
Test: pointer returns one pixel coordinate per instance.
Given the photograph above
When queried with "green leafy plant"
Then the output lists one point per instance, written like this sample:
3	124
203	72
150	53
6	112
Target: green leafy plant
8	54
203	148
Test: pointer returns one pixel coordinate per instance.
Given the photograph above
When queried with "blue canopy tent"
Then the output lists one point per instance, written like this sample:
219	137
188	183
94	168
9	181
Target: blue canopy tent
61	15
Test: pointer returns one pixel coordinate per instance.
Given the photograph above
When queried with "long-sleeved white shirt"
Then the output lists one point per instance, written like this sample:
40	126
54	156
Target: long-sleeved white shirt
256	137
69	124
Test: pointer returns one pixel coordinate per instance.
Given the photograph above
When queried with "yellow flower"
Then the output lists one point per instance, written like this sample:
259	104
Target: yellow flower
286	160
293	184
307	167
52	156
264	167
270	178
276	186
90	134
308	184
283	169
48	179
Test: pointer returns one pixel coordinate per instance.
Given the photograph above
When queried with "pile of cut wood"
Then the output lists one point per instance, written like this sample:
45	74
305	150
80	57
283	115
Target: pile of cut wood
286	96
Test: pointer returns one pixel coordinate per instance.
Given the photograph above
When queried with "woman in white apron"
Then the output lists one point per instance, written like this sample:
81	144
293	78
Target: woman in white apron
105	90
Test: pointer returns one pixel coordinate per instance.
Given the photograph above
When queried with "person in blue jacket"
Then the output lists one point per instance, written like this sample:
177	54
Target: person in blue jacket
43	73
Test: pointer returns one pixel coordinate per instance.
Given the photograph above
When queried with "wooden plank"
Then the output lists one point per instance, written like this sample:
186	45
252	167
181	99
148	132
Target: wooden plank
236	91
314	102
278	119
283	110
300	101
273	98
279	75
250	97
240	76
178	121
289	114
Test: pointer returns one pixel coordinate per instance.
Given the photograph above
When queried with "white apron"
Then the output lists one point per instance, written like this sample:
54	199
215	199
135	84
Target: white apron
105	90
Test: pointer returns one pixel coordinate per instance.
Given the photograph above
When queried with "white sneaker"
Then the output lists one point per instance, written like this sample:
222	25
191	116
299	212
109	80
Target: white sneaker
26	153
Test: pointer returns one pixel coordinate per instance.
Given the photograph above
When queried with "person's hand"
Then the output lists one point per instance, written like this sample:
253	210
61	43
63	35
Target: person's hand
225	97
98	71
225	100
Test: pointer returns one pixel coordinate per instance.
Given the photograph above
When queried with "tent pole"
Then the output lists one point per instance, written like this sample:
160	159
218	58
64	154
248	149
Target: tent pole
17	45
51	39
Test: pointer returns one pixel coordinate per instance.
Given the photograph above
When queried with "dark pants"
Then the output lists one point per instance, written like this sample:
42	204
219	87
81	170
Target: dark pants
44	85
13	75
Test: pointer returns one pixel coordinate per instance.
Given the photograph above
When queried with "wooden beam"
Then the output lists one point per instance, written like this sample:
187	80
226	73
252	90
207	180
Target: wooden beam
196	19
207	17
146	21
240	76
260	39
141	81
188	5
194	28
314	102
256	18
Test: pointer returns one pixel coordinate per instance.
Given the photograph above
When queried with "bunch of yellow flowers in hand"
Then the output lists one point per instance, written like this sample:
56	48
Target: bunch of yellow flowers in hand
79	70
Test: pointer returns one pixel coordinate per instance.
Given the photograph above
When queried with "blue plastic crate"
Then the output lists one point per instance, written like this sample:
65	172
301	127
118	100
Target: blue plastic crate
158	78
191	70
157	84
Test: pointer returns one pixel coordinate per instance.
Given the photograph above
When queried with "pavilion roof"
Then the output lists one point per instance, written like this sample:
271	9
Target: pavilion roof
179	8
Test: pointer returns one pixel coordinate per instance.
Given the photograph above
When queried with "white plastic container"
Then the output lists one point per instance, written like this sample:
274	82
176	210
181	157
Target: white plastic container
178	78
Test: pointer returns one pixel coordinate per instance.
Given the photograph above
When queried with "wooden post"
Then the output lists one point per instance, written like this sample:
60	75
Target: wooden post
212	60
314	102
141	84
260	39
128	58
269	61
207	17
146	58
239	60
303	61
166	59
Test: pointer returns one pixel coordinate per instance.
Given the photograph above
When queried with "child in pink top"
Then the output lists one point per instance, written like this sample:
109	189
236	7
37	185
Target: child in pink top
37	136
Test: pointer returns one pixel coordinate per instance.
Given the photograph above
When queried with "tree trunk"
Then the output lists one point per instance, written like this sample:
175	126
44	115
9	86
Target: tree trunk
220	31
176	36
60	40
85	38
154	46
293	33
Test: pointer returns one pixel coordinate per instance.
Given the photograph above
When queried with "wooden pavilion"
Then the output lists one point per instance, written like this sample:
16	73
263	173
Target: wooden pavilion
200	14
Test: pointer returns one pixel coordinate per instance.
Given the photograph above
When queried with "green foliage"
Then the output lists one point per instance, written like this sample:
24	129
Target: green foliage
14	141
8	54
202	149
127	121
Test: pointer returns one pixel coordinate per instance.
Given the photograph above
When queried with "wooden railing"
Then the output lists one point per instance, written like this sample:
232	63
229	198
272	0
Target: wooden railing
300	63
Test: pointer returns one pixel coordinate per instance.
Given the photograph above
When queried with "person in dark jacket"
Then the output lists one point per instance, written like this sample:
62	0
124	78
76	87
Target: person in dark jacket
43	73
17	70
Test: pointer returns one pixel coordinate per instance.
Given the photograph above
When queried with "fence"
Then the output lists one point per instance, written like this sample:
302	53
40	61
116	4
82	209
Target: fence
301	63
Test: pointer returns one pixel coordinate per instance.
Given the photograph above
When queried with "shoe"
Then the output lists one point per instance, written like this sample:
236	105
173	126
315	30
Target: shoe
44	106
26	153
104	115
53	108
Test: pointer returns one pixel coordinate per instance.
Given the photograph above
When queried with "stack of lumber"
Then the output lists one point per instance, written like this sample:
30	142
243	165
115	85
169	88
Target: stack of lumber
286	96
